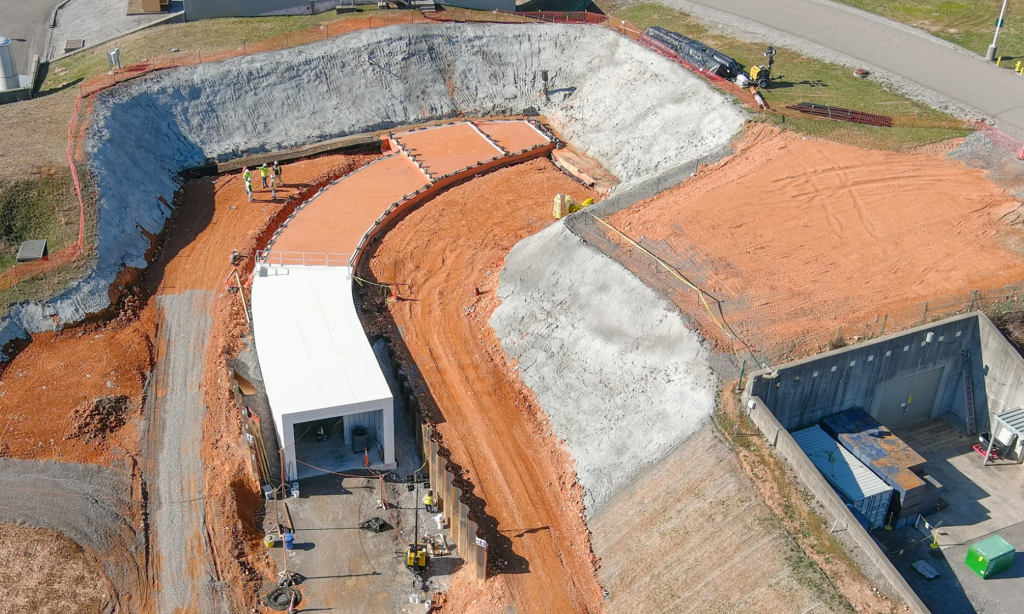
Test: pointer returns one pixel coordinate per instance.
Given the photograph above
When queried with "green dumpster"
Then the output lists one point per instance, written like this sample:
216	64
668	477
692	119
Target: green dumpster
990	556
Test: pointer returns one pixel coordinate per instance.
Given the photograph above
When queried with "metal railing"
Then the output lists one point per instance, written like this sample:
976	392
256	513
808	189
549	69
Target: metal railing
285	258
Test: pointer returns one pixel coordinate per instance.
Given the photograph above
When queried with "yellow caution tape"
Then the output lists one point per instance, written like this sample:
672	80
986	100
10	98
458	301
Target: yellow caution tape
674	273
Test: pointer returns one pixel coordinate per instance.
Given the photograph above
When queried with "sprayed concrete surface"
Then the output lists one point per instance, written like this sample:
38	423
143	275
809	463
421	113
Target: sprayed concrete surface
631	109
614	365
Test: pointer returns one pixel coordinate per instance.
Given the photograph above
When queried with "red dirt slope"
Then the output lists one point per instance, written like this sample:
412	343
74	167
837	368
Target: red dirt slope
496	431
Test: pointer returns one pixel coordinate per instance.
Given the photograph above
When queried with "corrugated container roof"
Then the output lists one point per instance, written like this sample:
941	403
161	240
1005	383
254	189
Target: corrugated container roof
871	439
1014	419
839	465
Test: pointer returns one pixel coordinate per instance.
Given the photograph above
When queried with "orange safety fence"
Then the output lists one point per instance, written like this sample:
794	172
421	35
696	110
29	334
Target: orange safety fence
1001	139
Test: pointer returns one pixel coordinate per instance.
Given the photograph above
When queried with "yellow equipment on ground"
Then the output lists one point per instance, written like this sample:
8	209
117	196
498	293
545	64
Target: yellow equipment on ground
761	75
416	557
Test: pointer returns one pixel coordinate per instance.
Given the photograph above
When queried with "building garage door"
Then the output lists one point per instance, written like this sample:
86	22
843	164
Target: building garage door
909	399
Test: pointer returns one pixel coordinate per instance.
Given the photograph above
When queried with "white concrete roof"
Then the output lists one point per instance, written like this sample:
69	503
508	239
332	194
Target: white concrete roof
312	349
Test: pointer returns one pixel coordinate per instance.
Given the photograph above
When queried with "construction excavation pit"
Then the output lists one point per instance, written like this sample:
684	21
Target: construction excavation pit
254	389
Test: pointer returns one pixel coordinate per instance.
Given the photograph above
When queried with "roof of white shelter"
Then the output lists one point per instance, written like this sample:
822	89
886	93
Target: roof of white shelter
312	350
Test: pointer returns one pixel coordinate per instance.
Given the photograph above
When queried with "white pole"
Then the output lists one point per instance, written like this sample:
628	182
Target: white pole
991	55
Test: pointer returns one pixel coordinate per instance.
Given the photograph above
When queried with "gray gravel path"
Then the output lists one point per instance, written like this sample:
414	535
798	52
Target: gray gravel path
184	578
915	63
95	21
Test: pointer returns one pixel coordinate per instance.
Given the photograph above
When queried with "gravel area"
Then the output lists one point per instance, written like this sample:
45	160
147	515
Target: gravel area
88	504
978	151
94	21
615	367
745	29
175	468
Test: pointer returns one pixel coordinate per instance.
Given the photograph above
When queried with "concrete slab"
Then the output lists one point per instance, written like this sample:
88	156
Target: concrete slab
350	570
957	589
513	136
313	457
447	149
982	500
32	250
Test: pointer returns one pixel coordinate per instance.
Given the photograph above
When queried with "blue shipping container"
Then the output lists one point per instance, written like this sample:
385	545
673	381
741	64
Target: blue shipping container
852	480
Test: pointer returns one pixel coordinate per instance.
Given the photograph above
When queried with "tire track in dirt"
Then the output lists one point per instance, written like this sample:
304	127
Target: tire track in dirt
823	237
491	423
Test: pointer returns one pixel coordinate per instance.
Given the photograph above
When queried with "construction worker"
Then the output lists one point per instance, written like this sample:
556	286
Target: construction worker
264	173
273	187
248	187
277	172
428	501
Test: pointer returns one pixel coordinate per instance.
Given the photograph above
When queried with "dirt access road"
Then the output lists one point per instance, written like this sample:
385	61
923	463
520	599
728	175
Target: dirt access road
521	477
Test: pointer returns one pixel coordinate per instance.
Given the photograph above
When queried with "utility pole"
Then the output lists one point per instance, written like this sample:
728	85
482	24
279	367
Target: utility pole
991	55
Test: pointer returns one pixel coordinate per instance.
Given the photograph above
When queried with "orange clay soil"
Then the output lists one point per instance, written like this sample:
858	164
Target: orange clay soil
213	218
524	492
49	381
798	236
446	149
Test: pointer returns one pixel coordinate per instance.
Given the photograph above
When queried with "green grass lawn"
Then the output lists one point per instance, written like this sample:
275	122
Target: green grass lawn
44	207
207	37
798	78
968	23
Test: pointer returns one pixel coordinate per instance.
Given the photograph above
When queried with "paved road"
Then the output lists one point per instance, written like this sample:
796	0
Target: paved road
913	55
26	23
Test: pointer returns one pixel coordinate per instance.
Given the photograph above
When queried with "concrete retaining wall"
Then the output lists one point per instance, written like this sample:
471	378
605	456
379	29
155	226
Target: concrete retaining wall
805	391
1002	369
209	9
785	445
808	390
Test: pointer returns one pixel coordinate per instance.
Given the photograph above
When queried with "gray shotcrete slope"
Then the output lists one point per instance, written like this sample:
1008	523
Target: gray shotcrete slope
629	388
88	503
634	111
614	365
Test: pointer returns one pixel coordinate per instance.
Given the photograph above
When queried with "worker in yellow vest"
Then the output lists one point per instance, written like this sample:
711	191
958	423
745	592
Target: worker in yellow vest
428	501
264	173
